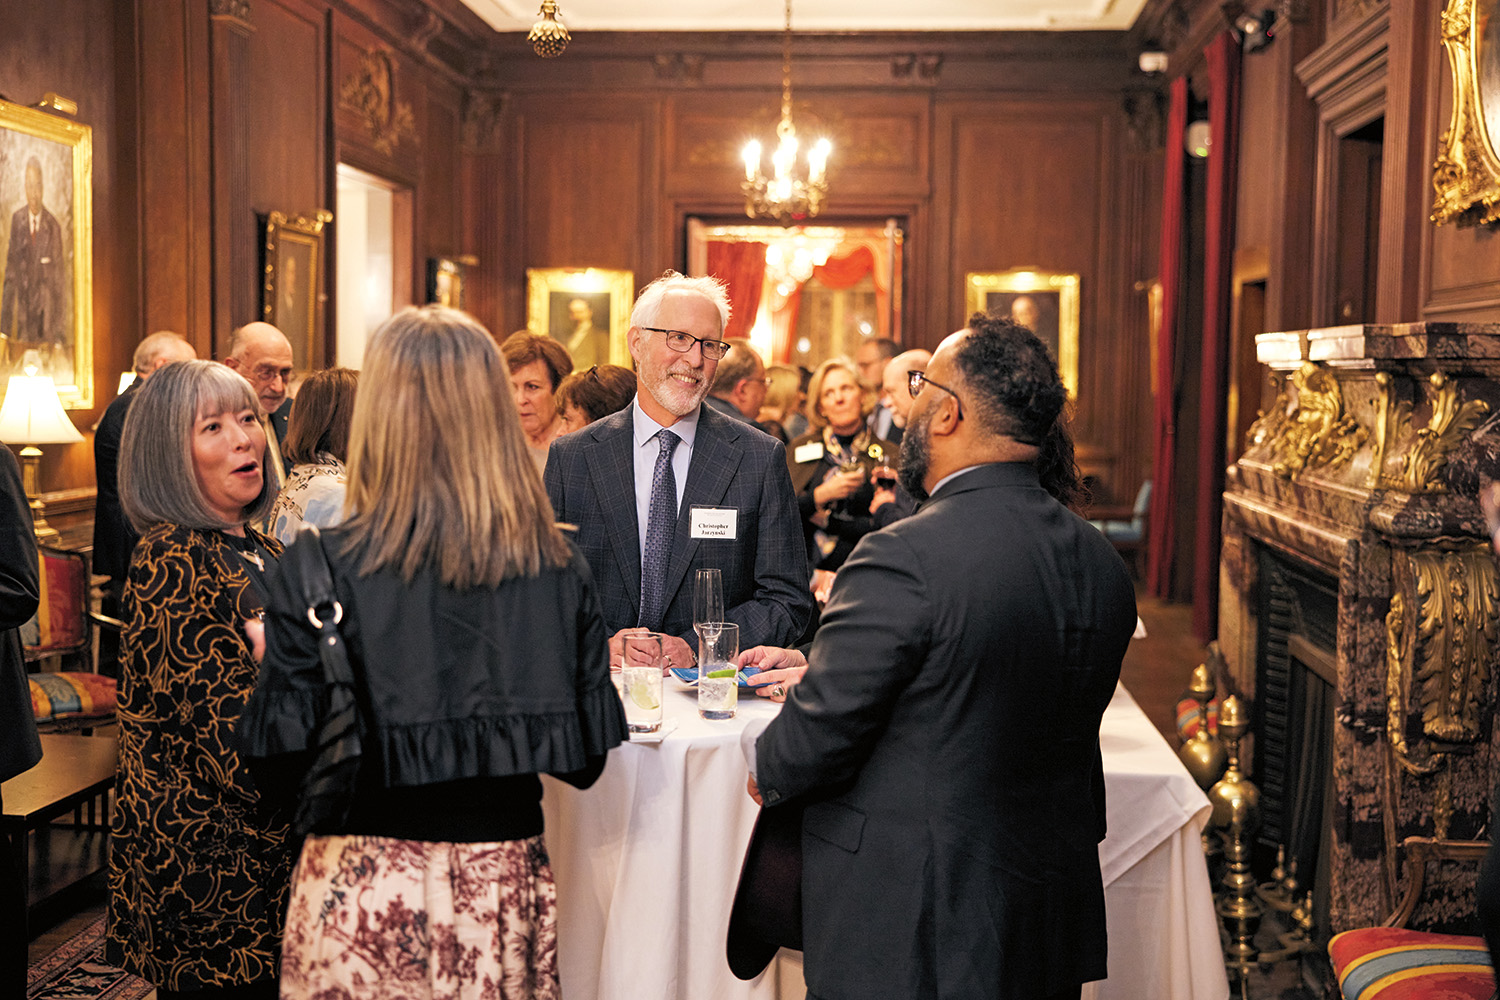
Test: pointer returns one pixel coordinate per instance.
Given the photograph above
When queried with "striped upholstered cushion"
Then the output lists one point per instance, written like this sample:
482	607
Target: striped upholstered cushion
1392	963
56	695
1187	718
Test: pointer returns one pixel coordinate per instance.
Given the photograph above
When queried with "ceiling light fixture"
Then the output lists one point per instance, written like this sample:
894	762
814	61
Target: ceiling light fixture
784	196
548	36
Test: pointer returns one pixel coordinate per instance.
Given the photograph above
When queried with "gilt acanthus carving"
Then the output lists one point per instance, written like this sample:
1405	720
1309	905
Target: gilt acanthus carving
370	90
1452	631
1315	432
1427	454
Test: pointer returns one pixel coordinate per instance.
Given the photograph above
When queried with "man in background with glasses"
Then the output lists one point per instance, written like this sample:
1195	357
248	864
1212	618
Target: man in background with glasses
669	485
944	736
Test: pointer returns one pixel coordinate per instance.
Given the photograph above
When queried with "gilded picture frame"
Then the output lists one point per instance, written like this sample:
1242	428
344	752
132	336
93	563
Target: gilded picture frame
291	298
46	250
1466	174
586	308
445	280
1045	301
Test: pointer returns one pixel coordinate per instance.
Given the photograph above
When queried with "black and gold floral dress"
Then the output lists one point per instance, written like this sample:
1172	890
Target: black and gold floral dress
198	871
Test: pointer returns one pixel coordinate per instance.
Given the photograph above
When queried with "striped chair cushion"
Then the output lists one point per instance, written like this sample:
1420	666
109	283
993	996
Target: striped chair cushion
1187	718
57	695
1392	963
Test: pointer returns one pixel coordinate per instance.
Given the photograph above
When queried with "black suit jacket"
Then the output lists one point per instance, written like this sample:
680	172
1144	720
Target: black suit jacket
19	594
32	305
590	478
945	742
114	538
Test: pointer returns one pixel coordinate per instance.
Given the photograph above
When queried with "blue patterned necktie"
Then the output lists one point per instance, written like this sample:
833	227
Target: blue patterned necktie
661	523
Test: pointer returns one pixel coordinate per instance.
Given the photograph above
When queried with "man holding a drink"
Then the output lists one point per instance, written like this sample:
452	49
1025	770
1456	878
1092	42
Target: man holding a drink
669	486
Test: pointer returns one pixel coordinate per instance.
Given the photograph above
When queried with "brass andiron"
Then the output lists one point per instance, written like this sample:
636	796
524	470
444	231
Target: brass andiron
1202	753
1236	813
1284	895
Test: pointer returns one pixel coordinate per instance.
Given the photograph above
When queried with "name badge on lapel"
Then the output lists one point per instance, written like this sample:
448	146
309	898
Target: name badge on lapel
810	452
714	523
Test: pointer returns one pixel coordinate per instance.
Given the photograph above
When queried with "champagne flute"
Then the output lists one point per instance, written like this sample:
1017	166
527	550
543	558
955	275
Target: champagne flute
708	600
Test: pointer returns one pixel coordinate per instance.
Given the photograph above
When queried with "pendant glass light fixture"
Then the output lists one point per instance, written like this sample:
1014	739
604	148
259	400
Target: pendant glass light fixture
788	194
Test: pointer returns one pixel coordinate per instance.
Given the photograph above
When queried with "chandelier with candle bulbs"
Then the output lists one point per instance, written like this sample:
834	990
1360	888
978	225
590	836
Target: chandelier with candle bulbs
786	195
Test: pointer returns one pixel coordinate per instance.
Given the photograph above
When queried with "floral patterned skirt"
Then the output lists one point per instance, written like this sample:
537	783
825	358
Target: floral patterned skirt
373	918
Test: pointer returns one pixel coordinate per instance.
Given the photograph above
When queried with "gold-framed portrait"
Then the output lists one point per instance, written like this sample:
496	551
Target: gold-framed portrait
586	308
1466	175
1044	301
445	280
46	250
293	265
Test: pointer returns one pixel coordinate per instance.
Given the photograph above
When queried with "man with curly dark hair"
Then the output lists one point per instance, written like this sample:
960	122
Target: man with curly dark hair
944	739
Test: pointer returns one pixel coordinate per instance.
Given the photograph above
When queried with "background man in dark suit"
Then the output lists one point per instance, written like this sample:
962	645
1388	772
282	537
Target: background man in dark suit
945	737
739	386
19	747
32	304
114	538
668	486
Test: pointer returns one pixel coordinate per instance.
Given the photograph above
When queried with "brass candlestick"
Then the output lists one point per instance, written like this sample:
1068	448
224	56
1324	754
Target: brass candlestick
1236	812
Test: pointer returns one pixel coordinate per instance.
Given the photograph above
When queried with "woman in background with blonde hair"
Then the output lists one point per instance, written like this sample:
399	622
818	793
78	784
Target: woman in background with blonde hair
480	660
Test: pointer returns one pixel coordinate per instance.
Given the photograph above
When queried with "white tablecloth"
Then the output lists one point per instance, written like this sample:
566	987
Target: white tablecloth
647	860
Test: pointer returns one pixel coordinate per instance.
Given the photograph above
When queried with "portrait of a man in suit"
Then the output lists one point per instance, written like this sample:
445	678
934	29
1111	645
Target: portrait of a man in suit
1036	311
33	305
668	486
581	321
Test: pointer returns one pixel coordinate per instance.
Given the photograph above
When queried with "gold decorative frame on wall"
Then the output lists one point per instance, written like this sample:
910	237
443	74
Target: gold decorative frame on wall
550	292
1054	297
445	279
291	294
1466	176
47	279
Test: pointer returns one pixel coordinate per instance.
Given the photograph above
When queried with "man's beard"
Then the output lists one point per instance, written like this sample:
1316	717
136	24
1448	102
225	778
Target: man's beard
915	456
676	397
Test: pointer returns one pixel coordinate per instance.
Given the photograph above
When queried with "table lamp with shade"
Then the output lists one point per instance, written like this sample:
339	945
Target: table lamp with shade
32	415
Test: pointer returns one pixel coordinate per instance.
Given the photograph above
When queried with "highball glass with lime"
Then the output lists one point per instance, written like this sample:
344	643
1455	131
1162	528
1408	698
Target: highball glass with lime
640	681
718	691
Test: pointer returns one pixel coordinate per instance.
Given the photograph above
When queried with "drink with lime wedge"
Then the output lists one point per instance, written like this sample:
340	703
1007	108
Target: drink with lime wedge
640	682
718	690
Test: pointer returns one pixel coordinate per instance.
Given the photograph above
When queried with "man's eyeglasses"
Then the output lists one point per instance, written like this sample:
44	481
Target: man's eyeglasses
914	380
681	342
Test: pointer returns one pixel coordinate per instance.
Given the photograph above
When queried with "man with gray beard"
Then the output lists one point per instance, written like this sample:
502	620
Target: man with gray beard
668	486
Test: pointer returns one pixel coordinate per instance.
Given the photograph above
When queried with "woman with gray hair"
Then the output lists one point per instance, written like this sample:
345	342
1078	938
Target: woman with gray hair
198	872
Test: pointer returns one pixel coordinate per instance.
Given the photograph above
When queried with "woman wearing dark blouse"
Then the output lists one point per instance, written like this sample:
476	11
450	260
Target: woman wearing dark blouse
198	871
832	466
480	660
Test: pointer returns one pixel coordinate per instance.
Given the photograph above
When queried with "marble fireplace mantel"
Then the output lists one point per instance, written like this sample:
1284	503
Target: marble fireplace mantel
1364	471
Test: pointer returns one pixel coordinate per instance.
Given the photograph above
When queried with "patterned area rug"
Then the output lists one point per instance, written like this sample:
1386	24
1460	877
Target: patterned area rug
76	971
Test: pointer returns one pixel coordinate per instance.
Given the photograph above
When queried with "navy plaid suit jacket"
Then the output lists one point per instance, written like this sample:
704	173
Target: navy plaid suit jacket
590	479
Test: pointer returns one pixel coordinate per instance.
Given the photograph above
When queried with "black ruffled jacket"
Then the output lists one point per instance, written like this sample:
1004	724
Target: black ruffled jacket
464	696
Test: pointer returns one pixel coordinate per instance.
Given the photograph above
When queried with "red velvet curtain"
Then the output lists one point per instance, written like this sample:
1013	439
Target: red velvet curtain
742	266
1224	57
1160	550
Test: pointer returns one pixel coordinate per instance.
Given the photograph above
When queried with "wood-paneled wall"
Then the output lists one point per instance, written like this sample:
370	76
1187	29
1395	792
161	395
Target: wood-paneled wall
996	152
984	179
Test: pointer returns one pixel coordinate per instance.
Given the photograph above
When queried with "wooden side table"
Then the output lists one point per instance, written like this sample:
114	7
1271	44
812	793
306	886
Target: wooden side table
76	773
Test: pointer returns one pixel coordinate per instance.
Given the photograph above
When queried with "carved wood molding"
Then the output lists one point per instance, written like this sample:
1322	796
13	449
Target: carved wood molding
370	91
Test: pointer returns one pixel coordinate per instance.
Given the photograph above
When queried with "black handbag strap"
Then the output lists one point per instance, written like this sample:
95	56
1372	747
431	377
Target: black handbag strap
323	609
328	786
